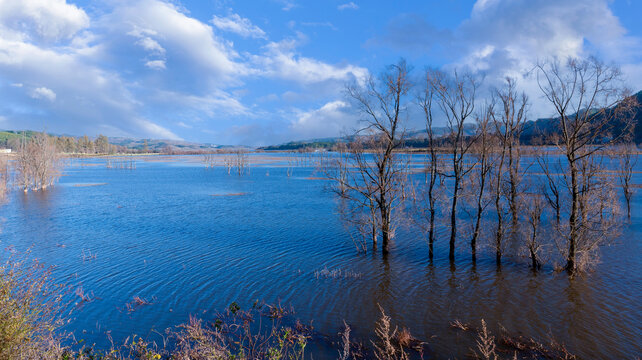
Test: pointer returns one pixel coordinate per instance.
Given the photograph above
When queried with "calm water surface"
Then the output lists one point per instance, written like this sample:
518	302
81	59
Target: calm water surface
170	231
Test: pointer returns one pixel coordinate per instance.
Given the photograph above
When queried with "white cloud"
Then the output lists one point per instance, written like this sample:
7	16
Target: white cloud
348	6
236	24
506	38
156	130
184	125
156	64
191	42
43	93
332	119
281	61
48	20
87	97
151	45
288	4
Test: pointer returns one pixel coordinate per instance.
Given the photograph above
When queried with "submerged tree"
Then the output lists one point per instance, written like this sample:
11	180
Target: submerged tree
482	149
425	100
456	98
509	124
378	173
627	158
593	112
38	163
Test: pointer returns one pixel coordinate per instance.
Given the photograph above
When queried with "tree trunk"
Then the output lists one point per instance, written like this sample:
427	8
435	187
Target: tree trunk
572	222
431	233
453	221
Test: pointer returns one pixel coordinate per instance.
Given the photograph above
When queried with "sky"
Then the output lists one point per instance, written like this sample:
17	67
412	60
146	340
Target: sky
269	71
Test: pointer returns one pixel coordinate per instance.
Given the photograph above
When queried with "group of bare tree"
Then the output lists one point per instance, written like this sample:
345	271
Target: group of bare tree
38	163
237	162
480	178
4	177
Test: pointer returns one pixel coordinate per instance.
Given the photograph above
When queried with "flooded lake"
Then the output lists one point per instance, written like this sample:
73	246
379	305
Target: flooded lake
192	240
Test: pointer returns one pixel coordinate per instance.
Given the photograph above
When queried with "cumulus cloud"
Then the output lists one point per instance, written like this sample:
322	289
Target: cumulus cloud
348	6
43	93
236	24
45	20
281	60
86	98
193	44
157	130
332	119
151	45
507	37
156	64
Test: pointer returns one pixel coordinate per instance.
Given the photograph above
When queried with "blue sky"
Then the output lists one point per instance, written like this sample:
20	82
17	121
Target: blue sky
264	72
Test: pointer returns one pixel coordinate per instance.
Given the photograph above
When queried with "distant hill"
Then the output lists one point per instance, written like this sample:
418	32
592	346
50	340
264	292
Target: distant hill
11	139
536	131
414	139
155	145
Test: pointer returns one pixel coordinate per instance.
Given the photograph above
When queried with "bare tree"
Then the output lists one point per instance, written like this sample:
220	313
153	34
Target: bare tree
38	163
508	128
456	98
551	189
627	157
591	104
376	182
4	177
425	100
209	160
534	209
482	152
335	165
238	161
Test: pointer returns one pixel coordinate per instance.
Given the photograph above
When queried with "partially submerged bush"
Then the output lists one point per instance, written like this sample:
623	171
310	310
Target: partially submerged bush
29	313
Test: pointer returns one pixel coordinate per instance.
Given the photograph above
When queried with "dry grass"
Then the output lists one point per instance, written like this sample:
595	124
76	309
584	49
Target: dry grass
485	344
459	325
138	302
386	348
326	273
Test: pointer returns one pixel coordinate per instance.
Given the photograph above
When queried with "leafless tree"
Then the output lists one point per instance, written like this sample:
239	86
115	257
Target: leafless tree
335	165
425	100
534	209
508	128
237	161
4	177
594	111
209	160
38	163
481	150
456	98
378	172
627	158
551	168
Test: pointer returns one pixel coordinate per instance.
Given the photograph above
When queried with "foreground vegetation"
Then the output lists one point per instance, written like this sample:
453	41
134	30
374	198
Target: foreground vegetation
31	318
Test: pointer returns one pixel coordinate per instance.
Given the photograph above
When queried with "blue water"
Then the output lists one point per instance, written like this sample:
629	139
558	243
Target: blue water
192	240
